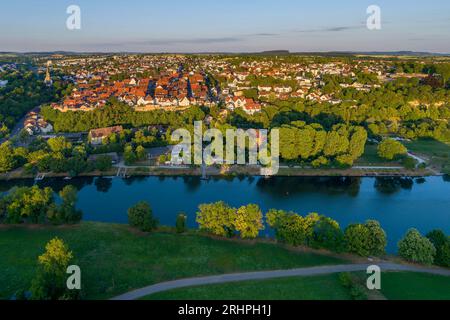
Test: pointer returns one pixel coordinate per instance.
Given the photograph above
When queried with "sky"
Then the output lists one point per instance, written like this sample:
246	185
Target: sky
224	26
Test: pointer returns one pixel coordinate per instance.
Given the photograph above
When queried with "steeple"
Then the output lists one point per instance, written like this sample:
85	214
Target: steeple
48	79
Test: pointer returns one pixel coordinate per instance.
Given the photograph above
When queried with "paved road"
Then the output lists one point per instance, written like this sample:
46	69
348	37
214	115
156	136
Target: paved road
263	275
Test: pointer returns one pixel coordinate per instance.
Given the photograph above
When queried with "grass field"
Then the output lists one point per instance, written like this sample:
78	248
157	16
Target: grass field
415	286
438	152
115	260
370	157
325	287
395	286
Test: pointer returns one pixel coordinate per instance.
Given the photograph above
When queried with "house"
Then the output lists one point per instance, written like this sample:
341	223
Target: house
97	136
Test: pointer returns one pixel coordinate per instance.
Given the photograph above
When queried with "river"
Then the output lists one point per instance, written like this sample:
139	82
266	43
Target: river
398	203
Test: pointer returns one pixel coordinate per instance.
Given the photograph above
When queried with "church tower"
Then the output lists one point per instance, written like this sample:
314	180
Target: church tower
48	79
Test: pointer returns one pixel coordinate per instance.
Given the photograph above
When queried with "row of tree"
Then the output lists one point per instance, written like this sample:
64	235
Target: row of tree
36	205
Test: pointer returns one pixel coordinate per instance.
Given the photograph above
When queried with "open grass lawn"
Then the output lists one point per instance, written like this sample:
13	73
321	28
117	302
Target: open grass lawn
370	157
115	260
395	286
438	152
325	287
415	286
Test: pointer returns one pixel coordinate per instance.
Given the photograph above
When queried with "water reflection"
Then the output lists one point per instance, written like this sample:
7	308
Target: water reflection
103	184
391	185
282	186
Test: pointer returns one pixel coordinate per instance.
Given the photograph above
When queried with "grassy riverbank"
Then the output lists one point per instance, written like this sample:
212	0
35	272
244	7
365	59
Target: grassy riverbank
395	286
115	259
235	171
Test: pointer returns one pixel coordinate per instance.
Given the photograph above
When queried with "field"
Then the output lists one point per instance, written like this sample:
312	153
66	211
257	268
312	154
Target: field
371	158
438	152
415	286
115	259
395	286
325	287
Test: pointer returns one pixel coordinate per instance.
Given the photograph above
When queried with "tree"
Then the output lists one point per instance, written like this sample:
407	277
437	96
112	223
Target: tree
141	154
59	144
442	244
103	163
327	234
141	216
69	213
7	162
129	155
181	223
248	221
389	149
416	248
50	280
365	239
216	218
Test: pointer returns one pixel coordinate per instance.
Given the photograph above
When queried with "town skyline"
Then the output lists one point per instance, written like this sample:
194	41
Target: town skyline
242	27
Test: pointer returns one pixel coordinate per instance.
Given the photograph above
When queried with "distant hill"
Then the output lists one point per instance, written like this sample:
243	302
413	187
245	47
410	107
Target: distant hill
270	52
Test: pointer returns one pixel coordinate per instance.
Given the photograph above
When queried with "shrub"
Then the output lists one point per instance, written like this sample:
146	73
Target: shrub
327	234
365	239
103	163
389	149
356	290
141	216
50	280
248	221
442	244
416	248
222	220
216	218
181	223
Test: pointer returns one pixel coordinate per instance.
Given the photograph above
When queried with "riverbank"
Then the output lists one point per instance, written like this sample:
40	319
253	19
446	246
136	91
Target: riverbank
115	259
226	171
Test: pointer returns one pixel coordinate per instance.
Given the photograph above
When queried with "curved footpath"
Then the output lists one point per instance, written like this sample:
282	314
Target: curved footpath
265	275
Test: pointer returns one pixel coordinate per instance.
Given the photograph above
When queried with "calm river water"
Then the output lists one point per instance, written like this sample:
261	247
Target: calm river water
398	203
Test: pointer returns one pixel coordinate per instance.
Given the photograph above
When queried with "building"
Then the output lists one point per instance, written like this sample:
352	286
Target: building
97	136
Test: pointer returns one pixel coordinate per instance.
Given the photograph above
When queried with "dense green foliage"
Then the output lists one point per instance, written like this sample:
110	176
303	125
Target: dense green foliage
311	143
117	113
367	239
389	149
442	244
50	280
416	248
313	230
141	216
25	90
222	220
181	223
35	205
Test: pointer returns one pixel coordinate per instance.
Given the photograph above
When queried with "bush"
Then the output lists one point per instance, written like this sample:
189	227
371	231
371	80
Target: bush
222	220
442	244
409	163
50	280
356	290
327	234
416	248
365	239
141	216
181	223
103	163
389	149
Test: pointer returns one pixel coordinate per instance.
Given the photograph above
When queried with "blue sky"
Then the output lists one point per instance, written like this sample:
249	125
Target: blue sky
231	26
